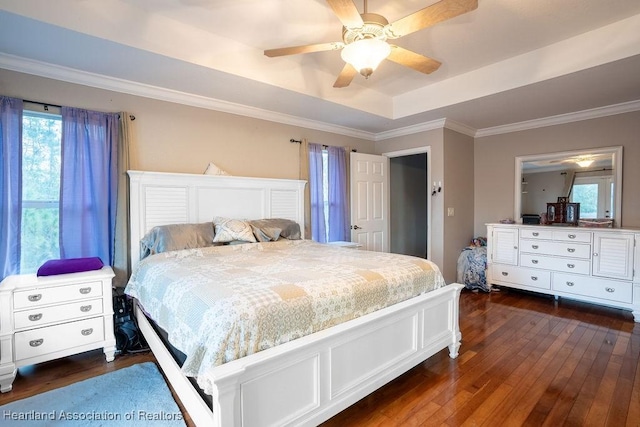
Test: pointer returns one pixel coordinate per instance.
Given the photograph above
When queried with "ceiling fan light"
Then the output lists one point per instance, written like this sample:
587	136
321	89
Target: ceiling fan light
365	55
583	163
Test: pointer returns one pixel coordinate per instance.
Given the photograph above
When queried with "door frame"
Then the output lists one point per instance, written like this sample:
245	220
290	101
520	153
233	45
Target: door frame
409	152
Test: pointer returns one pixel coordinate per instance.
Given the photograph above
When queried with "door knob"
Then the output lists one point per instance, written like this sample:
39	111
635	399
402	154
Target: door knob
356	227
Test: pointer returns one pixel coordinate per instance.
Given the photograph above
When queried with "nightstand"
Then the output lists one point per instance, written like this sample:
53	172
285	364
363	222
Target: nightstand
45	318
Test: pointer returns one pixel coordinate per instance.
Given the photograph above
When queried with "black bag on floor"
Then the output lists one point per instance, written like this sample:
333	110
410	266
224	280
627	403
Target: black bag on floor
128	336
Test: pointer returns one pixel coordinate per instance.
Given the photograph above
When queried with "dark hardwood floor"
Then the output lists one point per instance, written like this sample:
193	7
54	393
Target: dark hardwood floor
525	360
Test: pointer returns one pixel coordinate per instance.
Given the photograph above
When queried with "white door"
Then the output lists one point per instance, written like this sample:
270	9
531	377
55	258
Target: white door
370	201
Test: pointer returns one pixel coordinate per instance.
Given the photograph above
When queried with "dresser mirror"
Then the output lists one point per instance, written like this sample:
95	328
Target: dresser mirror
590	177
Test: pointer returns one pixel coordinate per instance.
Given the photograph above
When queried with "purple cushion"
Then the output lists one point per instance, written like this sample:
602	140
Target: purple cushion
71	265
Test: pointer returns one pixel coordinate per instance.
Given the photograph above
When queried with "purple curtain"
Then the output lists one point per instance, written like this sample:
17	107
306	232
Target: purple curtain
339	219
89	184
318	228
10	185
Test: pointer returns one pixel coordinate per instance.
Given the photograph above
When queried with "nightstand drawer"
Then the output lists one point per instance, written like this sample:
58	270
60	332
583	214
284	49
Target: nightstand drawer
64	312
37	342
51	295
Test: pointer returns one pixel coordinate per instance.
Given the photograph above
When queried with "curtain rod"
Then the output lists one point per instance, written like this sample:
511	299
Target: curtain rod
46	106
297	141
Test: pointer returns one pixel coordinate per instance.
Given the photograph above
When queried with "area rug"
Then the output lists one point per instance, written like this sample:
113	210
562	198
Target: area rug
133	396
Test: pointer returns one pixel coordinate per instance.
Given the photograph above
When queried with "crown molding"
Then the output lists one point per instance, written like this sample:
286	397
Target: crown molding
610	110
460	128
71	75
410	130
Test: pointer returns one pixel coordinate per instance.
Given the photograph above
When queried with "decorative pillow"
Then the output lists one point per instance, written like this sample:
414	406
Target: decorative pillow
289	229
212	169
228	230
174	237
266	234
70	265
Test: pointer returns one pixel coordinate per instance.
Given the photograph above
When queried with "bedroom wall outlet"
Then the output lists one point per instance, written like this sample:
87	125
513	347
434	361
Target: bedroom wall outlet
450	211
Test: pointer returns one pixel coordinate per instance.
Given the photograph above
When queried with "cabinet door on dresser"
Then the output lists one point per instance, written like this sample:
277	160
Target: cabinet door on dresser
613	255
504	248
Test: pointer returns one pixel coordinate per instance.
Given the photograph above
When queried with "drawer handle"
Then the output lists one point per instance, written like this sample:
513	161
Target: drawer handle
35	317
35	297
85	291
504	273
572	236
87	332
570	283
595	254
571	265
610	290
36	343
572	250
534	278
534	261
85	308
534	246
535	233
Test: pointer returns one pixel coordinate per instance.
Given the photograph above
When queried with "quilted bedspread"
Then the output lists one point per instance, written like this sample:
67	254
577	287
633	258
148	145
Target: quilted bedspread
222	303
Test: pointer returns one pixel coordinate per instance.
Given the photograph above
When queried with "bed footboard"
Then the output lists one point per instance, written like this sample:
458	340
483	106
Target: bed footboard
307	381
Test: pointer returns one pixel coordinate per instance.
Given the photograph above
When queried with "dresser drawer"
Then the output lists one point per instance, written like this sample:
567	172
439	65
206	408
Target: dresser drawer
572	236
36	317
611	290
51	295
566	265
532	233
565	249
521	276
37	342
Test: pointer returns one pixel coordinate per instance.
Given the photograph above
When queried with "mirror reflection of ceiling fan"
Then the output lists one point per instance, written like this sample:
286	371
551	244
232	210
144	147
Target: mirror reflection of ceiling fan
364	38
586	160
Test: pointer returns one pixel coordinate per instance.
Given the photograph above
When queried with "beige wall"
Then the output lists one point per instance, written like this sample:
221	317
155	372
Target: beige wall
452	164
495	162
458	194
172	137
433	139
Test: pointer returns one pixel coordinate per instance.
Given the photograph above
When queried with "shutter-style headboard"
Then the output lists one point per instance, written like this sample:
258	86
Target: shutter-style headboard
158	198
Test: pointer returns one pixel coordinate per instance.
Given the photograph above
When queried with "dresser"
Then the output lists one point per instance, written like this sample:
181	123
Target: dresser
596	265
45	318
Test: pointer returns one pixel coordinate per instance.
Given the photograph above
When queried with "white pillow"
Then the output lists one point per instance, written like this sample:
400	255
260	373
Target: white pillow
212	169
229	230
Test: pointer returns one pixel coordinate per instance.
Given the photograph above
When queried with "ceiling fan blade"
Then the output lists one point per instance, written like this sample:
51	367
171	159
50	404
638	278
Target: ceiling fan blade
413	60
430	15
347	13
346	75
309	48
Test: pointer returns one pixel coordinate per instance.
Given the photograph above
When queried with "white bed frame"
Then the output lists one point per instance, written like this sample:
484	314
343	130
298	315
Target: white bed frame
308	380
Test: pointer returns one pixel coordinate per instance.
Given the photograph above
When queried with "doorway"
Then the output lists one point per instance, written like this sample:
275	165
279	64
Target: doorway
409	203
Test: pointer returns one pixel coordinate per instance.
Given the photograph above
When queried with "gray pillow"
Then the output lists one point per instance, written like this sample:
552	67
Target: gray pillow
174	237
266	234
289	229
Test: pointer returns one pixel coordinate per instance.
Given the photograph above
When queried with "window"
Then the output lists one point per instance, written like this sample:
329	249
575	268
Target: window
41	153
595	195
328	191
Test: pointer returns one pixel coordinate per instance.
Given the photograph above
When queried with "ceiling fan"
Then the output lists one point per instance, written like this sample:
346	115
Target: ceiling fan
364	38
